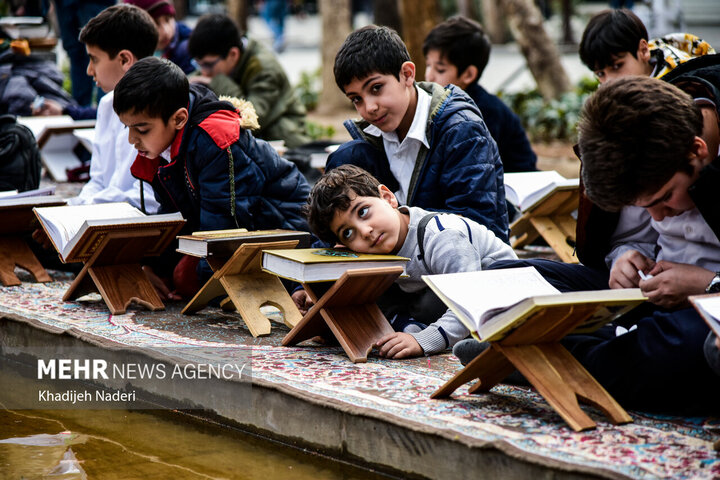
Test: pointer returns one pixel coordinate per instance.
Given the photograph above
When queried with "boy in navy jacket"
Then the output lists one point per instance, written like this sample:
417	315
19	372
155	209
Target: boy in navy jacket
198	155
432	139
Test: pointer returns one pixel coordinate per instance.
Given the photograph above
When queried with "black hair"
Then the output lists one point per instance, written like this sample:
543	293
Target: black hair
369	50
608	34
121	27
333	193
155	86
214	34
462	42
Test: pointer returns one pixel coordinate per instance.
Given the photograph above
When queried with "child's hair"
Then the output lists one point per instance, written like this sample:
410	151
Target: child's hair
332	193
462	42
610	33
369	50
634	134
121	27
214	34
154	86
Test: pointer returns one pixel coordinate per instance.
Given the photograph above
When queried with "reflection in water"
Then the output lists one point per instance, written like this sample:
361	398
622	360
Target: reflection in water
147	444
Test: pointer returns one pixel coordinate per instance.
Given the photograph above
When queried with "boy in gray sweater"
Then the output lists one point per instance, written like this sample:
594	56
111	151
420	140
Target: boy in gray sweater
348	205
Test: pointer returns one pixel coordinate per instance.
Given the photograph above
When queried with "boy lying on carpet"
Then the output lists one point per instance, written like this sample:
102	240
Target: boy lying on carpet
348	205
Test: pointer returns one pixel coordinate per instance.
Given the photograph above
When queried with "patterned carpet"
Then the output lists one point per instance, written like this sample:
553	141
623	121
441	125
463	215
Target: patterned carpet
513	419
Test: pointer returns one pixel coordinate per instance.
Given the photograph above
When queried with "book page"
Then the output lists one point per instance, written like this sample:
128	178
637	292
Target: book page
476	293
524	189
710	308
62	223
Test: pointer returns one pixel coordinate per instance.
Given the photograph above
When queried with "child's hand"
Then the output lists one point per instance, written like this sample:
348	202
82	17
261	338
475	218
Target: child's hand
160	286
302	301
624	273
399	345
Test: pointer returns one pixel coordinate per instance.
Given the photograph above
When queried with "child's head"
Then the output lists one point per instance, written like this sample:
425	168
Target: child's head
348	205
456	51
115	39
151	100
163	13
640	144
374	70
615	44
216	44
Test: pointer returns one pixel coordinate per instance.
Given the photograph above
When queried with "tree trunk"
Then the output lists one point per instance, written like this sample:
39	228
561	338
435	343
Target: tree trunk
494	21
567	27
418	18
239	10
387	13
540	52
468	9
336	17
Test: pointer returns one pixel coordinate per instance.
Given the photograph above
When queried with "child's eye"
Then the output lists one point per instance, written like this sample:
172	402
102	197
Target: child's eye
376	88
141	132
355	100
346	234
599	74
617	66
363	211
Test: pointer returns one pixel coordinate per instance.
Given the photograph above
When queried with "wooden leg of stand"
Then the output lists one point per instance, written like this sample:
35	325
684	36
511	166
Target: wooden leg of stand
82	285
120	285
542	373
213	288
586	387
250	291
491	367
14	251
357	328
555	237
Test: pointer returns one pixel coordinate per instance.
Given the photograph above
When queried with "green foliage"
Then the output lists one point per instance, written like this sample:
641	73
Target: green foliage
318	132
554	119
308	89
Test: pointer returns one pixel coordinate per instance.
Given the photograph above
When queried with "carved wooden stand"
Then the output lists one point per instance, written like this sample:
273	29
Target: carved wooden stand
248	288
552	221
14	251
349	311
534	350
115	272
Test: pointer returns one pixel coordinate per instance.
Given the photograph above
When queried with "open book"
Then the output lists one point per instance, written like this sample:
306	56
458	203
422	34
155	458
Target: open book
708	306
492	303
221	243
16	210
322	264
64	143
76	230
526	190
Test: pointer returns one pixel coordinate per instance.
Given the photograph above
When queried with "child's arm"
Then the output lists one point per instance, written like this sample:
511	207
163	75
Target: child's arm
302	300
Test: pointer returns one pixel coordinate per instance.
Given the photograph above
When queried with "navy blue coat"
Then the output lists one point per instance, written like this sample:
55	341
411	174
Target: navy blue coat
505	127
460	173
269	191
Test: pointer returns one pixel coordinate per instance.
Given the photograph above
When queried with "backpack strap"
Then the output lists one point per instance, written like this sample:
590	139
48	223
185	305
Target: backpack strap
422	225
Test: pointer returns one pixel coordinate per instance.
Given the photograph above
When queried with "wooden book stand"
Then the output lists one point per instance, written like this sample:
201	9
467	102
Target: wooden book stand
534	349
248	288
552	220
349	311
14	251
115	272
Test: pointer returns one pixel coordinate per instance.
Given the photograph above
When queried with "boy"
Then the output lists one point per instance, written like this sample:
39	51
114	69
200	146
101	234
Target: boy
671	251
457	51
348	205
615	43
232	65
115	39
173	36
432	139
199	157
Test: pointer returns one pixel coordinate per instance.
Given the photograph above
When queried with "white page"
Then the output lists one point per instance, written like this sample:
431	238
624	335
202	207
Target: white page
64	222
523	189
478	292
711	307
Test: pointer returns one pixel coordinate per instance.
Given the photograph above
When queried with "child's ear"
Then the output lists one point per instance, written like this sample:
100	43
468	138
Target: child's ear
233	55
127	59
468	76
407	73
388	196
179	118
643	52
699	154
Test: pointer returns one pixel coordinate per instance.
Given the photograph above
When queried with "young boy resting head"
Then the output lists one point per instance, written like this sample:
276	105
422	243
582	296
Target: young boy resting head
456	52
348	205
433	139
615	44
199	156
